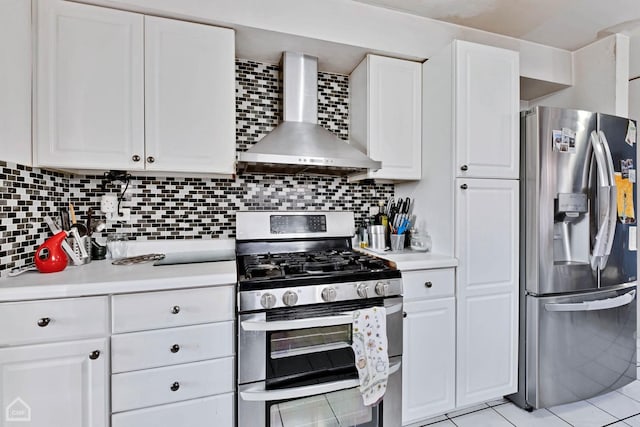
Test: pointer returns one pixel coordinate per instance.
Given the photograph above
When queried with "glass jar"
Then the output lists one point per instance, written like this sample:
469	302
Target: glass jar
117	245
420	241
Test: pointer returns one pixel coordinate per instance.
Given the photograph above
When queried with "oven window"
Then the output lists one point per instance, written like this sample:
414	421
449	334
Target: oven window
338	409
312	340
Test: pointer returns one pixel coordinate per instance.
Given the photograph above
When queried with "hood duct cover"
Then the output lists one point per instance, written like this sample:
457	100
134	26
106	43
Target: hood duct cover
299	144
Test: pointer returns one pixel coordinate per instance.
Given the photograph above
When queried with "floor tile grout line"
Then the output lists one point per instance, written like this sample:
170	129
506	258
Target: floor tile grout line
509	421
467	413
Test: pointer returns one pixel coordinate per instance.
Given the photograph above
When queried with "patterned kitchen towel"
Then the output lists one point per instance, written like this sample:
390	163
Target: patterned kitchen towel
370	348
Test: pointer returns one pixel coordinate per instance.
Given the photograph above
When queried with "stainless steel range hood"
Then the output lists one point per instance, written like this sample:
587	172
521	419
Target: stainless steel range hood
299	144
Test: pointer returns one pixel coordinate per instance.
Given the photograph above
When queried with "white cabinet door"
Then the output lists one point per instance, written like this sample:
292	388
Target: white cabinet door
487	218
89	87
386	115
61	384
428	382
15	81
487	97
189	97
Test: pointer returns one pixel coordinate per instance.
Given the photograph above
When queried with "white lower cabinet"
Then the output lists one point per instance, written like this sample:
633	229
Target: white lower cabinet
174	366
429	337
56	384
205	412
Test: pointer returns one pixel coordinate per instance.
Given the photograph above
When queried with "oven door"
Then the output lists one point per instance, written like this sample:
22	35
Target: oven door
330	404
290	355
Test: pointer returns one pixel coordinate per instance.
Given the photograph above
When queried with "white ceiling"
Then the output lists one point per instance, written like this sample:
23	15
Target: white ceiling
566	24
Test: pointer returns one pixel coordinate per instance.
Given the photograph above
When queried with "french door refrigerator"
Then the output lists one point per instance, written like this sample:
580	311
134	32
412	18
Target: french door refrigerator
578	256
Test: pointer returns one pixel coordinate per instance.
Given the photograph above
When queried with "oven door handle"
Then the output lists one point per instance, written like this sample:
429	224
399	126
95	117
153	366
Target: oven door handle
258	393
311	322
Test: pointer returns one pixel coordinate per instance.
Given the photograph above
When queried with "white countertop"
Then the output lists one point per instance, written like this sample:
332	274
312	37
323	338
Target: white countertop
408	260
101	277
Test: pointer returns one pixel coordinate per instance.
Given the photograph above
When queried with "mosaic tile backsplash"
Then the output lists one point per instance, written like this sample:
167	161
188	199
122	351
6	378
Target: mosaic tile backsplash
166	207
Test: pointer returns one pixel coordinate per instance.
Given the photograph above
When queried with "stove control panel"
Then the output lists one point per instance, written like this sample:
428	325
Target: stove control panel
287	224
318	294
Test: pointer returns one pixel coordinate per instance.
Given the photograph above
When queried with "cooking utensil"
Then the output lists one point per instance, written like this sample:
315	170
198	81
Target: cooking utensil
65	223
138	259
89	217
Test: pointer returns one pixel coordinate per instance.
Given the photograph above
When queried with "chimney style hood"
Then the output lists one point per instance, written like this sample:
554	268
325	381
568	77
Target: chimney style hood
299	144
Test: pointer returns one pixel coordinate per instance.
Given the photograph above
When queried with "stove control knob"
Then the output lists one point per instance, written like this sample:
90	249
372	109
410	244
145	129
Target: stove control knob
382	289
329	294
268	300
362	290
290	298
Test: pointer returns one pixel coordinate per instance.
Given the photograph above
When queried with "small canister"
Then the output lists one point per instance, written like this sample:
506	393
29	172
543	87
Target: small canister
377	237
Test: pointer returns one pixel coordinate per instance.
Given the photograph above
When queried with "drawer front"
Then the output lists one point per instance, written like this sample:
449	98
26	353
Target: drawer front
206	412
157	310
435	283
140	389
151	349
53	320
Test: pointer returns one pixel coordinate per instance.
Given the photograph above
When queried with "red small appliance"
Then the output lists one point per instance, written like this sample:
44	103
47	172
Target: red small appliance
50	257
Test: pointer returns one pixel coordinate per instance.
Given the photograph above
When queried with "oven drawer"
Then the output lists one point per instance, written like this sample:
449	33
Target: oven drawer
157	310
140	389
206	412
151	349
53	320
436	283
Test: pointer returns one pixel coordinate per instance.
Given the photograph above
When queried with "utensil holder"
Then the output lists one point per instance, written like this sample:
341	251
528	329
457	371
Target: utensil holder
85	241
397	242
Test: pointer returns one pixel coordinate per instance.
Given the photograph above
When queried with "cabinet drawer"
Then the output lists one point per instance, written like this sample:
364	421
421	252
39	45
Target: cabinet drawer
133	390
157	310
206	412
151	349
428	283
53	320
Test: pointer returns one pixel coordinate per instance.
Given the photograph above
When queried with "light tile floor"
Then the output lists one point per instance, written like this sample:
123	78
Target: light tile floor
619	408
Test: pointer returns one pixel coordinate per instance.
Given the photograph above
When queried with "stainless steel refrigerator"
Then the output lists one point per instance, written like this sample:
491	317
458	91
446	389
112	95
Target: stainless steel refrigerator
578	256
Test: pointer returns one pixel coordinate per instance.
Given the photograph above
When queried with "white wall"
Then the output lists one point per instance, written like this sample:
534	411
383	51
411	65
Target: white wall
600	78
634	99
15	81
350	23
634	55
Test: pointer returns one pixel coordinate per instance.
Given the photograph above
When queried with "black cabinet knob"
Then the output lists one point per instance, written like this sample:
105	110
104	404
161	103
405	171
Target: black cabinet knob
428	284
175	309
404	314
175	348
44	322
464	167
464	186
150	159
135	158
175	386
94	355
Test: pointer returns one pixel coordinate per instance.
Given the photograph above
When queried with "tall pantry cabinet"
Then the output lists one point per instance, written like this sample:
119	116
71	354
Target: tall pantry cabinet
468	200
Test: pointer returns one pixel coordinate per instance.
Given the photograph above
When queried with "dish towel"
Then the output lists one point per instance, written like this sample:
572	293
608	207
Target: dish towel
369	344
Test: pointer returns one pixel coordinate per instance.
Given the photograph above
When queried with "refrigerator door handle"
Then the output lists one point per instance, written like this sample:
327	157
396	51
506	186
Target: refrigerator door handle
607	196
602	304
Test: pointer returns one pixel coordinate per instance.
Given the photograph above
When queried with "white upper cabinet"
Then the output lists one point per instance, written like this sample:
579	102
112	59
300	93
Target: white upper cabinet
15	81
89	87
120	90
385	115
487	227
487	101
189	97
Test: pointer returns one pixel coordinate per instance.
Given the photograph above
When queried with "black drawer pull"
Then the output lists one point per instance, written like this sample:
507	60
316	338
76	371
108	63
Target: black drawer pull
464	186
428	284
175	348
175	309
175	386
44	322
94	355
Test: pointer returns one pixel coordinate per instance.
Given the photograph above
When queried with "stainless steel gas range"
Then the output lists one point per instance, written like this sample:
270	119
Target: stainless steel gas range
299	282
